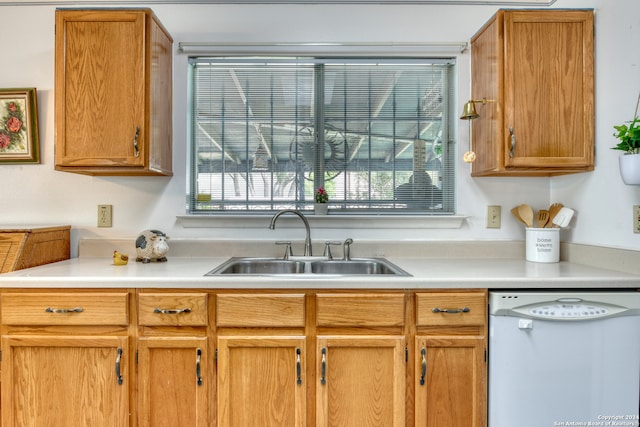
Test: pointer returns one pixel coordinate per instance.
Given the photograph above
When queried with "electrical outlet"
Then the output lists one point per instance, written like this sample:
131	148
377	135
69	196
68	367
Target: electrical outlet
493	216
636	219
104	215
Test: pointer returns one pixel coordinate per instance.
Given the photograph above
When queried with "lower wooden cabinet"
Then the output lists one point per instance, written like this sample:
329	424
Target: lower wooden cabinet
261	381
262	359
243	358
450	364
449	385
173	381
361	358
173	360
361	381
57	381
65	359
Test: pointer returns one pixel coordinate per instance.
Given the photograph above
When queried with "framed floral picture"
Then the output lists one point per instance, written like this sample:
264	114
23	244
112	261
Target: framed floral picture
19	141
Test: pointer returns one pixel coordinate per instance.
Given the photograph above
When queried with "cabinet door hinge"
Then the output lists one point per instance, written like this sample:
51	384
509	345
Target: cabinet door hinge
485	355
215	357
136	357
406	354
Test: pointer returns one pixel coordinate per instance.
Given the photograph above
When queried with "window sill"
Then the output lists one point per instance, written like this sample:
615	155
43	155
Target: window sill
326	221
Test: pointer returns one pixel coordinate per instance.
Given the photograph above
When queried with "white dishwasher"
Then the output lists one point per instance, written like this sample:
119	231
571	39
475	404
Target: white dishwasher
564	358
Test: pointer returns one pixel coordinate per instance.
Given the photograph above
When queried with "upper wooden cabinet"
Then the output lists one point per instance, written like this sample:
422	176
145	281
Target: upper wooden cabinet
113	93
535	69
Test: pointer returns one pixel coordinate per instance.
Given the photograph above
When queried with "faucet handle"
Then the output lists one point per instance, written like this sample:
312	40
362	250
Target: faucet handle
288	252
327	248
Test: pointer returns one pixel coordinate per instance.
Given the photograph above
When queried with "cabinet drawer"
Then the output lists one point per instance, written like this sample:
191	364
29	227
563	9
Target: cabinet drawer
360	309
464	308
188	309
65	309
260	310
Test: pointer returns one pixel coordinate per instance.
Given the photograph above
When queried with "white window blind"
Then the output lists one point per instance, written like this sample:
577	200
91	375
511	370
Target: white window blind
375	133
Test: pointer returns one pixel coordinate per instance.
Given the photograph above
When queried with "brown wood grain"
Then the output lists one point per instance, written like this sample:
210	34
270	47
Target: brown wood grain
536	68
113	81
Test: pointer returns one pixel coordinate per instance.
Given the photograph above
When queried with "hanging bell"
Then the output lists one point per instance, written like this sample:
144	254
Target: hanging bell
469	112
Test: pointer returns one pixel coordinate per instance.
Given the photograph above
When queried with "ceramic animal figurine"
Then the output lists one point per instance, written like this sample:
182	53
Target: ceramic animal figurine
151	245
120	259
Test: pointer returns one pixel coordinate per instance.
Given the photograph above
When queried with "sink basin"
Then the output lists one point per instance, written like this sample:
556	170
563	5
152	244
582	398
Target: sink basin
356	266
307	266
263	266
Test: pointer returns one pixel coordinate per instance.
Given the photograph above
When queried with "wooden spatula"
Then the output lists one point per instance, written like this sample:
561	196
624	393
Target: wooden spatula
526	214
553	211
542	218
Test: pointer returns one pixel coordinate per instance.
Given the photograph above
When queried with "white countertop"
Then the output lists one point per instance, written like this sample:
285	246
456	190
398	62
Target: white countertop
427	273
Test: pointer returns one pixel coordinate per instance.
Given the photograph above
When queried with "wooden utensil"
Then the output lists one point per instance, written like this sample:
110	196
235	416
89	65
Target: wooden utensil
526	214
542	219
515	213
553	211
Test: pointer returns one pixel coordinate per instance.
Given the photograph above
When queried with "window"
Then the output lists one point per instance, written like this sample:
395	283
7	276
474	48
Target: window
375	133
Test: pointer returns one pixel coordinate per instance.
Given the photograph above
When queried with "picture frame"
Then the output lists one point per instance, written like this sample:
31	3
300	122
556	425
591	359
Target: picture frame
19	137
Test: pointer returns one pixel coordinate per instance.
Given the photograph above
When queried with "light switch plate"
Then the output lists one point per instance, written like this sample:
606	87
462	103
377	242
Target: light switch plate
493	216
104	215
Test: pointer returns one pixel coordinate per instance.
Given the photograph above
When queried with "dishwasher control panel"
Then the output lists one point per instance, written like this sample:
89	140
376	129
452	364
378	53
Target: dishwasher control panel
564	305
568	311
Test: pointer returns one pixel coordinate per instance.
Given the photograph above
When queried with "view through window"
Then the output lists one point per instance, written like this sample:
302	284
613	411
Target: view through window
376	134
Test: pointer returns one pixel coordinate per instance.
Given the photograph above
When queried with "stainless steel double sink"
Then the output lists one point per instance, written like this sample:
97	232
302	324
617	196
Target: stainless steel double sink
307	266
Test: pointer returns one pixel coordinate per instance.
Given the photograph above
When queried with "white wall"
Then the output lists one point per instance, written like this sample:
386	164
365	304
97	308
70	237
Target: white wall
36	194
603	202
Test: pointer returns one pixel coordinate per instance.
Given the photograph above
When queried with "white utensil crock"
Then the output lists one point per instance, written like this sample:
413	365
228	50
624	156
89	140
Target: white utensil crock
543	244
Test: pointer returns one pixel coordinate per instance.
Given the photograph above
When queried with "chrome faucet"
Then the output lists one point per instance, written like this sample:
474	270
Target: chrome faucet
307	242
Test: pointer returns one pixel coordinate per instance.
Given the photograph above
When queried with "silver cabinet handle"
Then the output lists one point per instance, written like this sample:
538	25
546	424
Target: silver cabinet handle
298	367
118	373
172	311
136	149
451	310
198	374
513	142
64	310
424	365
323	367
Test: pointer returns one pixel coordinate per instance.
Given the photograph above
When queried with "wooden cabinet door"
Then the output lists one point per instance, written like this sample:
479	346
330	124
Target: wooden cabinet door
360	381
174	381
100	88
549	89
60	381
487	75
261	381
450	381
536	70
